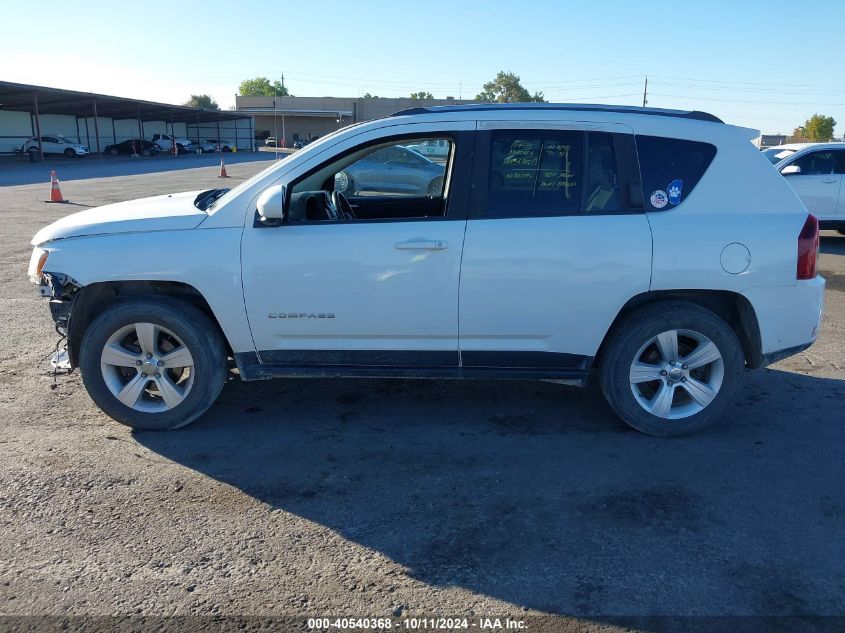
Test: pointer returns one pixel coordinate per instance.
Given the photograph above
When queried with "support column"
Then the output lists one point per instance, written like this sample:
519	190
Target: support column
87	135
37	124
236	132
97	128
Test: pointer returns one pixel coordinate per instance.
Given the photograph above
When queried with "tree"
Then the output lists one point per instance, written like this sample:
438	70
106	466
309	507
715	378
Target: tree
818	128
422	95
202	101
261	87
369	96
505	88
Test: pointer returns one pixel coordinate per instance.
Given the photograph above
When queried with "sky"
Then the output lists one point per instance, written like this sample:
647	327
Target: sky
767	64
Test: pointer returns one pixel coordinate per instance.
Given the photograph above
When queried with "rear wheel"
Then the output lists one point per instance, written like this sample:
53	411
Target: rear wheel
155	365
671	368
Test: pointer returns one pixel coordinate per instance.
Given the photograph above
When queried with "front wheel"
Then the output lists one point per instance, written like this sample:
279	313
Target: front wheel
671	368
70	153
154	365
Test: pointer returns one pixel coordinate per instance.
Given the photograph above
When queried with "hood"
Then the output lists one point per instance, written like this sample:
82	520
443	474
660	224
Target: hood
172	212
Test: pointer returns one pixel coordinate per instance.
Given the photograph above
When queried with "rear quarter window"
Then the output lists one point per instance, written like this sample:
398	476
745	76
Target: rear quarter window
670	169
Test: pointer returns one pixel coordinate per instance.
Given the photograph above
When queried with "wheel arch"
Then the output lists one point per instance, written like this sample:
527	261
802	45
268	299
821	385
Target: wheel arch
734	308
89	301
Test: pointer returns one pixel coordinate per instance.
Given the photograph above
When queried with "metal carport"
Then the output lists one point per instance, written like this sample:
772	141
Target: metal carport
41	100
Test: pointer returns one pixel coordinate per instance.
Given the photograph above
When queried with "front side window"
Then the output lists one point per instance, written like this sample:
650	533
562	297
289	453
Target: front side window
816	163
383	181
671	168
535	173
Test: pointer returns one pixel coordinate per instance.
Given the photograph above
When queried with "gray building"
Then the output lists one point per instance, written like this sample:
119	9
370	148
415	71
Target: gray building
295	118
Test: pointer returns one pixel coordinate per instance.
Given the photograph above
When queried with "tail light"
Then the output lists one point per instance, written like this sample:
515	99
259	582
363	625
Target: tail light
808	248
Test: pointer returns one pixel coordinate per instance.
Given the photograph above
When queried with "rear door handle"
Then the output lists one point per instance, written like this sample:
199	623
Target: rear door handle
829	181
423	245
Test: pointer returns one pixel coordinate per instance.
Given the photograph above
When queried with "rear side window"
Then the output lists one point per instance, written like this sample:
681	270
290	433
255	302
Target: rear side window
671	168
535	173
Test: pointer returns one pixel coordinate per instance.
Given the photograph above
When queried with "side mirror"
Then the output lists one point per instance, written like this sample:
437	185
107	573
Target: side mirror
271	203
790	170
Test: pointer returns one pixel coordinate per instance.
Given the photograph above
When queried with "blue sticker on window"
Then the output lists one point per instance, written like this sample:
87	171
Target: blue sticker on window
674	191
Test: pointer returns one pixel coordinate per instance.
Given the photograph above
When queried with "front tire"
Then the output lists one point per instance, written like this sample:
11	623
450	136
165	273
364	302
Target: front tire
69	153
153	365
671	368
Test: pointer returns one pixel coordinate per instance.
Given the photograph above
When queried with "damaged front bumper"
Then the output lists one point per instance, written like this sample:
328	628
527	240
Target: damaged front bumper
62	292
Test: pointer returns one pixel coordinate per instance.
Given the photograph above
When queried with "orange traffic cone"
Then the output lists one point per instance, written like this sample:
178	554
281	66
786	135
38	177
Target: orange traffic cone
55	192
223	173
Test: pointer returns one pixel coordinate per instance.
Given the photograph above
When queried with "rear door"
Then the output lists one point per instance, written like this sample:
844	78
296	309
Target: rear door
557	241
817	185
839	170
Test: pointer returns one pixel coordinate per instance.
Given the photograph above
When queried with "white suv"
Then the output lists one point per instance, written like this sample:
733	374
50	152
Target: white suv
816	172
655	247
165	143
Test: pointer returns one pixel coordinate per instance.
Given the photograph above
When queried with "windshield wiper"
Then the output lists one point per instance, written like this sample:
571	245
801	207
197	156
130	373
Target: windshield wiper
206	199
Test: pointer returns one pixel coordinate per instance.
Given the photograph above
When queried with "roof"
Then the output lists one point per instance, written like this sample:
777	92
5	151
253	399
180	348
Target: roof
19	97
564	107
797	146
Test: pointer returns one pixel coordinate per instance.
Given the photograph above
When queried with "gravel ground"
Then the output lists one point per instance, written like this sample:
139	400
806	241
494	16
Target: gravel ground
388	497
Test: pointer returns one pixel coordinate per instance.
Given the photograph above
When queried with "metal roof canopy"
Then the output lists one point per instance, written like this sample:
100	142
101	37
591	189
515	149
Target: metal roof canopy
20	97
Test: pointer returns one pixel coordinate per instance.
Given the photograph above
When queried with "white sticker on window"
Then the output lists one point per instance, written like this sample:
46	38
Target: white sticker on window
659	199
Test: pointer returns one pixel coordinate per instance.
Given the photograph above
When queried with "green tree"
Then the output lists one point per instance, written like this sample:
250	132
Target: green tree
369	96
261	87
505	88
202	101
421	95
818	128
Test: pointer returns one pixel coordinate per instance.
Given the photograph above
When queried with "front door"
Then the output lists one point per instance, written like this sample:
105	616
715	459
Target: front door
817	184
380	290
557	242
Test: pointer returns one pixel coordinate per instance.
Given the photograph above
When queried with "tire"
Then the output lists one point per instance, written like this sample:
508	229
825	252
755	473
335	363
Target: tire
70	153
174	320
435	187
630	341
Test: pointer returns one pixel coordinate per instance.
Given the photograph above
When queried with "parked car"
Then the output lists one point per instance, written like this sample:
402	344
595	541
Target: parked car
270	141
55	145
206	147
432	148
165	143
225	146
133	146
393	169
816	172
615	242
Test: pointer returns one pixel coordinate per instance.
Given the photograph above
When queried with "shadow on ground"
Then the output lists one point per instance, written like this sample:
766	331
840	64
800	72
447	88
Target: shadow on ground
534	493
17	172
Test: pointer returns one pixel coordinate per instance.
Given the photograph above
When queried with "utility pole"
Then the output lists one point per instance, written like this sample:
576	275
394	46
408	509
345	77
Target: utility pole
645	92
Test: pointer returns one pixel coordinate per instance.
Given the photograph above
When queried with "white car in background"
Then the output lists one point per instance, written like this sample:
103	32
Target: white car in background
55	145
816	172
165	143
432	148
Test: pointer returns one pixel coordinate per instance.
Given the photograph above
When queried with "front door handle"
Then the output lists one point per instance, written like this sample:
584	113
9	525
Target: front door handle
423	245
829	181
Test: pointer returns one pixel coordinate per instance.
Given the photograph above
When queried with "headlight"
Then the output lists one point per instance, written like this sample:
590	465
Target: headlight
36	264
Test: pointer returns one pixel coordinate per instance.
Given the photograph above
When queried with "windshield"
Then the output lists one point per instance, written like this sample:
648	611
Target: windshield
311	147
777	154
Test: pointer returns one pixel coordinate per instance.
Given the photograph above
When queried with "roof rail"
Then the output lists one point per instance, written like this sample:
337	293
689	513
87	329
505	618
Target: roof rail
567	107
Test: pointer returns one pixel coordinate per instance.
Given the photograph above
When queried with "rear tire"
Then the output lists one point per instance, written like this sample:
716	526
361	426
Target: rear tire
695	397
174	321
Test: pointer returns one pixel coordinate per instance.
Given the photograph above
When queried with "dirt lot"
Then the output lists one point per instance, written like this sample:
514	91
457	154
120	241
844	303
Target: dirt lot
389	497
